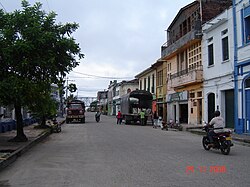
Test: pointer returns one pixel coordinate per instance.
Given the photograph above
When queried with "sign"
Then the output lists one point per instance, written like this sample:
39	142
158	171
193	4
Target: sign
178	96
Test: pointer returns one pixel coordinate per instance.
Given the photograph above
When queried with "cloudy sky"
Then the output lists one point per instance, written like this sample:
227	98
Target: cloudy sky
120	38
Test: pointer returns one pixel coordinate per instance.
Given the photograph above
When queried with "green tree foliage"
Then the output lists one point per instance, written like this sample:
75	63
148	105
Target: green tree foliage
35	52
45	107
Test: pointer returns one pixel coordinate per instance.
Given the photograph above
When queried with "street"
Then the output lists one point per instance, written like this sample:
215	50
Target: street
109	155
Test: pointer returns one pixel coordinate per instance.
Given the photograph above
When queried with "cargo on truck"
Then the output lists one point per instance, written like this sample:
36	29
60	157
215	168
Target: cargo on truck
133	102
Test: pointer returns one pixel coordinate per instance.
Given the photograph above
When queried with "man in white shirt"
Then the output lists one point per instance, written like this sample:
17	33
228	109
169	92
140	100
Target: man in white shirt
218	124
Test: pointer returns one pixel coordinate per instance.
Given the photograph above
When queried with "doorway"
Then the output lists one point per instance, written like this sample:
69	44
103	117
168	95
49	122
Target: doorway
183	113
211	106
229	108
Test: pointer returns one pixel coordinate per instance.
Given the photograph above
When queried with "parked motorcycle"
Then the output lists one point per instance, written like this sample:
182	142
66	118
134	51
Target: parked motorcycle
55	126
164	126
222	140
98	116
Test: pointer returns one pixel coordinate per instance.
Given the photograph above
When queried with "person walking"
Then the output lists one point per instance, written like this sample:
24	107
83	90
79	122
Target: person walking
142	117
119	118
155	120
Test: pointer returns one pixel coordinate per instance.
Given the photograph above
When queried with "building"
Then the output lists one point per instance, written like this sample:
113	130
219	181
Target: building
123	88
102	104
183	56
218	67
147	81
111	95
161	87
241	18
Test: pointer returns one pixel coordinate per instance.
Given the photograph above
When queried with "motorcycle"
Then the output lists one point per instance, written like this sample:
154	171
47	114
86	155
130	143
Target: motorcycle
98	116
222	141
55	126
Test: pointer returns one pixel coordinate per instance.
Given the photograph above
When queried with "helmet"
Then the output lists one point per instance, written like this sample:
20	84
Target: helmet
217	113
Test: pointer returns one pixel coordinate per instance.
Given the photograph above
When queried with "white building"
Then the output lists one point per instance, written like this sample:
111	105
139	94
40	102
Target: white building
218	67
121	89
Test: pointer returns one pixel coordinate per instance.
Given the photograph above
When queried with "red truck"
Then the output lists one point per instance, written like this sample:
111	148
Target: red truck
75	111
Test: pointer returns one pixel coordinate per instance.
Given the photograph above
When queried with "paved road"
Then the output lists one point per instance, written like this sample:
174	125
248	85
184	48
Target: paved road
109	155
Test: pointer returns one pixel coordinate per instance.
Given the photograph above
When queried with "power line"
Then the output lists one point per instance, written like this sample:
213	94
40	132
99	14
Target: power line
3	7
103	77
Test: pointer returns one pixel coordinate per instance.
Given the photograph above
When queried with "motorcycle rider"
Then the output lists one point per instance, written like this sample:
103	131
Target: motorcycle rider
218	124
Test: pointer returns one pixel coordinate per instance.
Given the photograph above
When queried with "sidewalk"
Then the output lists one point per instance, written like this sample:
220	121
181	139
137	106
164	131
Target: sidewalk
10	151
197	129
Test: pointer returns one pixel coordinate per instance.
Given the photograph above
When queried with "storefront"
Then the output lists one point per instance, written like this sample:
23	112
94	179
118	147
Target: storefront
177	106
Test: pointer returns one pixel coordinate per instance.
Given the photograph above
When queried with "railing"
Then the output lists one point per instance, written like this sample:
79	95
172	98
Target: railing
186	77
186	71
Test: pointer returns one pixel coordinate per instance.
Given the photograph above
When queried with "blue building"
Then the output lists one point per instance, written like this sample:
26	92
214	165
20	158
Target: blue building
241	18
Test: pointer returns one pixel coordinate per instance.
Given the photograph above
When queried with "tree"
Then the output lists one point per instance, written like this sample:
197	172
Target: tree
34	53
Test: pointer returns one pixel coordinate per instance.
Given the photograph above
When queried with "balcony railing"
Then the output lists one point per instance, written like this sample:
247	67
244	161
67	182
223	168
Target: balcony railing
187	77
180	40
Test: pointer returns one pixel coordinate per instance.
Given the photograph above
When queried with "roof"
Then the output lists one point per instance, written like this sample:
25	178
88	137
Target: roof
180	12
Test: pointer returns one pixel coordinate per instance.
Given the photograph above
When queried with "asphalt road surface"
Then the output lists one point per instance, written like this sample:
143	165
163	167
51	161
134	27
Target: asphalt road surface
109	155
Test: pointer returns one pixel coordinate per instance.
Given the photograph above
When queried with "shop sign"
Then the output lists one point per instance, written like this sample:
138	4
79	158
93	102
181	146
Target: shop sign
178	96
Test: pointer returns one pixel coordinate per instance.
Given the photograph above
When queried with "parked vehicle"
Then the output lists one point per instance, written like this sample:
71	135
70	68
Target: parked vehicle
133	102
55	126
75	111
222	141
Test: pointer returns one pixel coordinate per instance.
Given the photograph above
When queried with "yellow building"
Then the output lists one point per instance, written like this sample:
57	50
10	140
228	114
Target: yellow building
183	56
160	67
184	66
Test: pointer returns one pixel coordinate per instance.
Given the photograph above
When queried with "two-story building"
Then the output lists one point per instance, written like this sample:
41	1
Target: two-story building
123	88
147	81
182	51
218	67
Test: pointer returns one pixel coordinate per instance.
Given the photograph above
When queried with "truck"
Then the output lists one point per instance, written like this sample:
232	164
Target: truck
132	103
75	111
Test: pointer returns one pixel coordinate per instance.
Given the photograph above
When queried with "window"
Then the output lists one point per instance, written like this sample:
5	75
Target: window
210	55
140	84
247	84
153	84
148	89
145	83
225	53
192	95
159	78
247	29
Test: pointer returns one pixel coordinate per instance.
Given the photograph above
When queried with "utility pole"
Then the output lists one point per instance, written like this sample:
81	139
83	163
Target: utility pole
67	84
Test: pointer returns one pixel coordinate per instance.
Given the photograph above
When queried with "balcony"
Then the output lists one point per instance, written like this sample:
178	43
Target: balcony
180	40
187	77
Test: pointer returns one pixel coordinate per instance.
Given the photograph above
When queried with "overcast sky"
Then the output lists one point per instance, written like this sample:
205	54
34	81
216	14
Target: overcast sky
120	38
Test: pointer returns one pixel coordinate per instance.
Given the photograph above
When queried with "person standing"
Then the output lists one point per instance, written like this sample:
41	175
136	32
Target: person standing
119	118
142	117
155	120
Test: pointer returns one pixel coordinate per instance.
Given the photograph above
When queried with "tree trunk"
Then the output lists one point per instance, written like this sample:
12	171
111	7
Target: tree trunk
43	122
20	137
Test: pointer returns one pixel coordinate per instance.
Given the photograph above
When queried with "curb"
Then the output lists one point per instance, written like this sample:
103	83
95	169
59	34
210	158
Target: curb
13	156
17	153
198	132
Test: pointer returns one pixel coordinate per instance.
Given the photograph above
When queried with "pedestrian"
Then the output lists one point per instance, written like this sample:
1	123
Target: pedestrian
119	118
142	117
155	120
